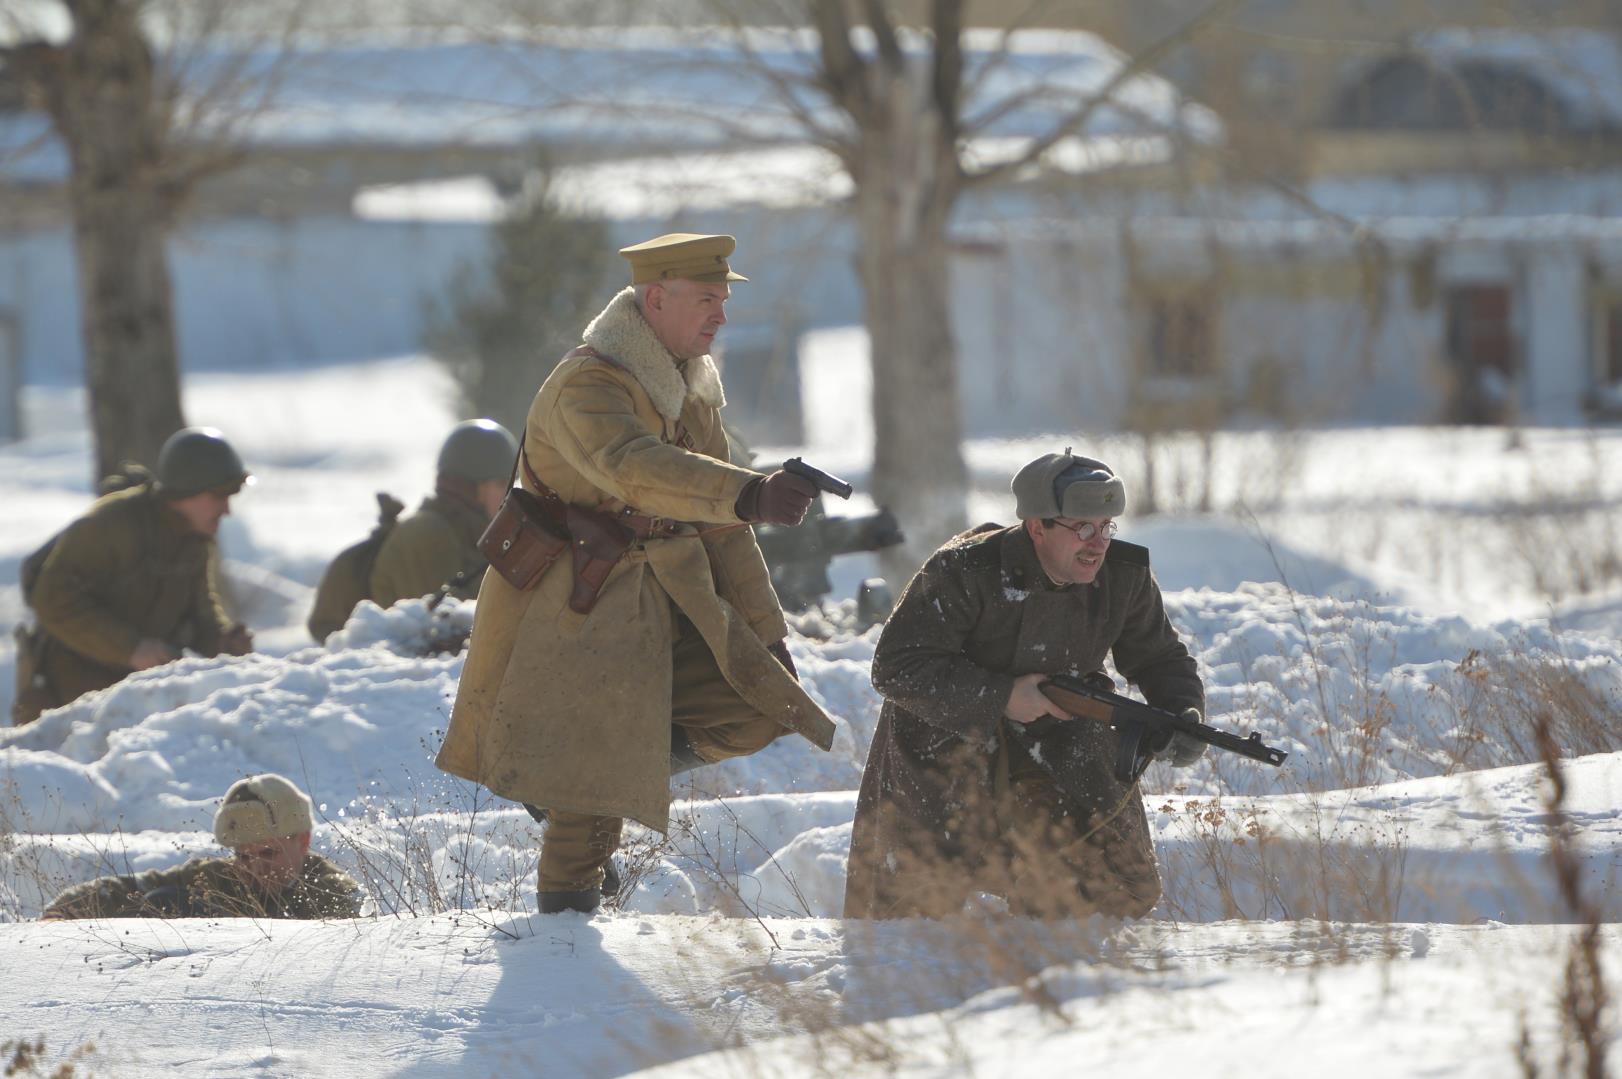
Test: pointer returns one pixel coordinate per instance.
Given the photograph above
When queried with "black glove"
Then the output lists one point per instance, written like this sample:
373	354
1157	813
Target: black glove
1179	749
236	641
778	499
780	650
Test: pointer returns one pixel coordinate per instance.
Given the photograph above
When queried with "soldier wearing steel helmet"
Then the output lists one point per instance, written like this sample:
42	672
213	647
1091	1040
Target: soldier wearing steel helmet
438	545
132	583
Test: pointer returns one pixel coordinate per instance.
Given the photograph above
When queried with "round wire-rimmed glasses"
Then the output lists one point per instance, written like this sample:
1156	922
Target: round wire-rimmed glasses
1086	530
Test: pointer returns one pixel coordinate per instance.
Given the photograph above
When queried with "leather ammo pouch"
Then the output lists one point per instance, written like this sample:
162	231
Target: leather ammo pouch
600	542
522	540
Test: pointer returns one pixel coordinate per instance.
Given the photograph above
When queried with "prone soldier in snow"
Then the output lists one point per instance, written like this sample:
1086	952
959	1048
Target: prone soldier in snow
955	799
266	821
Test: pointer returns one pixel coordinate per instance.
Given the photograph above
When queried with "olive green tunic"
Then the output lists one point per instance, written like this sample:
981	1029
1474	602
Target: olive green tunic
435	546
130	568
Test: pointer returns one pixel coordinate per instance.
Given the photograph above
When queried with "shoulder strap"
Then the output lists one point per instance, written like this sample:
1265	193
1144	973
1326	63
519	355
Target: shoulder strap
529	473
1131	553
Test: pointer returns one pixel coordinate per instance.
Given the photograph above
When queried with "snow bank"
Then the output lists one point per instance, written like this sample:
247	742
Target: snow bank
357	723
1357	694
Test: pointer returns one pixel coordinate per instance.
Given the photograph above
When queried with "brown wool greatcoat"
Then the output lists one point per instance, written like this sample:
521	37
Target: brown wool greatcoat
573	711
129	568
980	613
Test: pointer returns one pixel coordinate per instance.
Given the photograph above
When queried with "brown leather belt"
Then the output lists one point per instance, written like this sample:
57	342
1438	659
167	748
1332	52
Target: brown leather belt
642	526
645	527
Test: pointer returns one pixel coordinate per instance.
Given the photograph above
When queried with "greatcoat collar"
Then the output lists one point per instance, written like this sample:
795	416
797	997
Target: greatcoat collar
621	333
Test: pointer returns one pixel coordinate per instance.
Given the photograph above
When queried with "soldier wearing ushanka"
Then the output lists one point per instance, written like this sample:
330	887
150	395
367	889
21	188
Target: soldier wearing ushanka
953	803
265	821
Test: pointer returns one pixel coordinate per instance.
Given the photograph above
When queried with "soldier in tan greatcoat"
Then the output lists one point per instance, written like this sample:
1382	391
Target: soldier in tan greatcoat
131	584
682	660
265	821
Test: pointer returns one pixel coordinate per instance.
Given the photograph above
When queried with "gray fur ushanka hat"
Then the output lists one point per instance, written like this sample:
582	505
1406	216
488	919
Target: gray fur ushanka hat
1065	485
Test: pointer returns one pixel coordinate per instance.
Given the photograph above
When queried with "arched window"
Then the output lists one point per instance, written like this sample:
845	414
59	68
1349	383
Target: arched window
1416	94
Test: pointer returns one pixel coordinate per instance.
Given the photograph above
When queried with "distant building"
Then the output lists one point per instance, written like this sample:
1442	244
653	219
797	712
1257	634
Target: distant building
378	172
1453	255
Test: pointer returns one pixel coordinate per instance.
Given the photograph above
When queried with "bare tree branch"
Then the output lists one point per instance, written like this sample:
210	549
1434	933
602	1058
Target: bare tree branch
1078	120
788	88
1232	159
947	77
1006	107
1005	39
878	20
844	71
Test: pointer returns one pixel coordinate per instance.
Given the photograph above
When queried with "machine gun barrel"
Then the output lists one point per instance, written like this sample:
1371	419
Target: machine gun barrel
1133	719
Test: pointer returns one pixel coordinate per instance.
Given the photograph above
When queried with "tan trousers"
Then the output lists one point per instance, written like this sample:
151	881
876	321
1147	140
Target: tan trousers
719	725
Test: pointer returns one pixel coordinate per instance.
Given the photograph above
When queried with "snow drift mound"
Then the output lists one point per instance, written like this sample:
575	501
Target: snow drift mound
1357	694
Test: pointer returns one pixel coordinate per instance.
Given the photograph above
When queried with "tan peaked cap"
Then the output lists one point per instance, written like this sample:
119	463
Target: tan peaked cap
692	255
261	808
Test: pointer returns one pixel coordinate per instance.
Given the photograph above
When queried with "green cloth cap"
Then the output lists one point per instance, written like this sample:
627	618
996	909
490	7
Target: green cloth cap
682	254
1065	485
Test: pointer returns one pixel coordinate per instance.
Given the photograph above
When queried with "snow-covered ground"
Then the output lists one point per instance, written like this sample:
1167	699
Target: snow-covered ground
1384	904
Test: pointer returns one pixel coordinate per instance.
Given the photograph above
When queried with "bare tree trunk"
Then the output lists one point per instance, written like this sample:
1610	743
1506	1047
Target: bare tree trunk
918	468
102	100
902	204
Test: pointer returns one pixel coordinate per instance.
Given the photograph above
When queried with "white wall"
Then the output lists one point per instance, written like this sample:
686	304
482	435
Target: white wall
1044	333
1557	329
252	294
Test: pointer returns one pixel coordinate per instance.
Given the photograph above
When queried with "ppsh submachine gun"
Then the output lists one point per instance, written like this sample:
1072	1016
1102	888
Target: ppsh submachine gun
798	557
1140	728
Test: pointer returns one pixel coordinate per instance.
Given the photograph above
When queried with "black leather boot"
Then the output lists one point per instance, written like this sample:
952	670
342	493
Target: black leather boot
584	901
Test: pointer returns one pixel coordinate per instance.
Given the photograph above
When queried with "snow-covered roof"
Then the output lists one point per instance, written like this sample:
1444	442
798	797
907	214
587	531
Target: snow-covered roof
664	186
638	91
1535	207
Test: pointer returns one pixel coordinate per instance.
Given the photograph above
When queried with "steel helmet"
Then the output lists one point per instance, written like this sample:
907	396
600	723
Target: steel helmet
478	450
197	459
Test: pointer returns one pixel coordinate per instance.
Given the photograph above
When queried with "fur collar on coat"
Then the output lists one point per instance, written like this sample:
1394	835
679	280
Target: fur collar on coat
622	333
